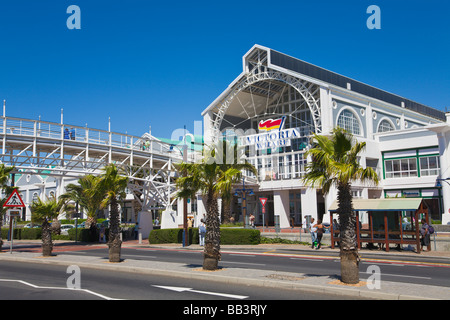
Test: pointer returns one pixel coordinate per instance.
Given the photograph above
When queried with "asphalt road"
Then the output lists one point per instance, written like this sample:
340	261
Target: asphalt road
29	281
418	270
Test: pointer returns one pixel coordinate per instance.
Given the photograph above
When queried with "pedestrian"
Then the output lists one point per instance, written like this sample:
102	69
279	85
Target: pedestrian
156	221
72	134
320	231
136	231
252	220
313	231
102	237
189	222
66	134
201	232
424	235
336	231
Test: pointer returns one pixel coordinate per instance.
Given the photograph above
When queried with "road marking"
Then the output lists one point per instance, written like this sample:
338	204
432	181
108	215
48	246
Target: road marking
404	276
138	256
182	289
241	254
306	259
59	288
254	264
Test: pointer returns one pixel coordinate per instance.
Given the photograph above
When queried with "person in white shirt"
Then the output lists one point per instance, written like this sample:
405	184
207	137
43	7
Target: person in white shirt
313	231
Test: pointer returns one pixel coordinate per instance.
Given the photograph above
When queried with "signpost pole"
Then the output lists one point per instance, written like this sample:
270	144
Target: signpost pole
11	233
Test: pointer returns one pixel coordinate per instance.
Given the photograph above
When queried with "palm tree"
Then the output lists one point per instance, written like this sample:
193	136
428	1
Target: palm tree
4	177
43	212
212	179
335	162
112	185
231	159
88	195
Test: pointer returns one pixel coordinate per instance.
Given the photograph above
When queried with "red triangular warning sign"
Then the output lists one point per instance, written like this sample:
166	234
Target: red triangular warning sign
263	201
14	200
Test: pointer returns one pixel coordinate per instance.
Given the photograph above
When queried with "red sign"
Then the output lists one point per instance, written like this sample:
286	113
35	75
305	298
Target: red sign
14	200
263	201
269	124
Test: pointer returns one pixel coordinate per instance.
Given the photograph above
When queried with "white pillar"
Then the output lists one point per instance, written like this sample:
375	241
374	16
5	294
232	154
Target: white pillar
281	207
444	159
309	202
145	223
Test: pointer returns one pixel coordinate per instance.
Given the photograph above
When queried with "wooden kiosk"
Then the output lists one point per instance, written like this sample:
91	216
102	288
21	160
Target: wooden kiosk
386	223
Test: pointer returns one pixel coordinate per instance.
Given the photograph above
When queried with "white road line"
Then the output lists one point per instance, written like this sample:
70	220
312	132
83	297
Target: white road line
59	288
241	254
306	259
181	289
137	256
254	264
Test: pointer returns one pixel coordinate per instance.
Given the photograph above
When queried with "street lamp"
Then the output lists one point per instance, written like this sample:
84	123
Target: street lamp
438	183
243	193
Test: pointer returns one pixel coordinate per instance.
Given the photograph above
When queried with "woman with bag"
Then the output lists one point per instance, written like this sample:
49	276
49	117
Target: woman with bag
320	231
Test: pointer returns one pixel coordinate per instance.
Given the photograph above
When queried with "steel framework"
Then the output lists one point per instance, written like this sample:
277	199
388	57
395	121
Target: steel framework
258	80
64	151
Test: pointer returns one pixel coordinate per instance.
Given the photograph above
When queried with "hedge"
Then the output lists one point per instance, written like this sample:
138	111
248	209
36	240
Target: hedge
227	236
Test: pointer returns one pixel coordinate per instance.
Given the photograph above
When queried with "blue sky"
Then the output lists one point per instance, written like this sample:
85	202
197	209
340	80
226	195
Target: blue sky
161	63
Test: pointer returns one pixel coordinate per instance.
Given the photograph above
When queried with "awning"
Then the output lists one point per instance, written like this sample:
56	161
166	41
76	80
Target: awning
394	204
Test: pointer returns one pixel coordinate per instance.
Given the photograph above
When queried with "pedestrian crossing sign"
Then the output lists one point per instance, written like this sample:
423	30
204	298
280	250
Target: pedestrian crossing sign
14	200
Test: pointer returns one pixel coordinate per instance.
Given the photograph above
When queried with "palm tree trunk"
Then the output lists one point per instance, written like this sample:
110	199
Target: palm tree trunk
348	246
226	209
47	245
1	225
211	255
114	242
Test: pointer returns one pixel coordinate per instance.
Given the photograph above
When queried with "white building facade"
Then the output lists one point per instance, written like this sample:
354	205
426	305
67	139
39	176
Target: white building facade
278	102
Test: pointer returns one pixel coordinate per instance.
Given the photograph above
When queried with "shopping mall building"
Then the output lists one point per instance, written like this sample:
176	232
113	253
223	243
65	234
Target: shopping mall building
278	102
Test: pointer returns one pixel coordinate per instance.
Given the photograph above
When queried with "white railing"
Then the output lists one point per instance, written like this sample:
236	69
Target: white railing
50	130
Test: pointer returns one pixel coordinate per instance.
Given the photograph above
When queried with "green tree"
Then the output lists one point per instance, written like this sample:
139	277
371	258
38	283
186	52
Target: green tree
43	212
231	159
112	185
4	177
89	196
212	179
335	162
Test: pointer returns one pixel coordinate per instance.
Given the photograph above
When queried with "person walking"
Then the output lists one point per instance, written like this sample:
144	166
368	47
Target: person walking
424	235
320	231
313	232
102	237
136	231
201	233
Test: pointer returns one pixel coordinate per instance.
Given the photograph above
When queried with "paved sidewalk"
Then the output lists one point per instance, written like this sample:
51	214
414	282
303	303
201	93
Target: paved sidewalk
30	252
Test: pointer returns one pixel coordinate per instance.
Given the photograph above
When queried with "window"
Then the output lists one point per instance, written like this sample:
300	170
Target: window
401	168
347	120
385	126
429	166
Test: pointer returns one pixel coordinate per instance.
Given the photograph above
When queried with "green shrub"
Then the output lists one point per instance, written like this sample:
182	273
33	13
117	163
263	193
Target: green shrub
227	236
23	233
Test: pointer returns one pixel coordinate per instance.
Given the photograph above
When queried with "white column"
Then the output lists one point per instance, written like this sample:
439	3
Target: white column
444	159
309	203
145	223
281	207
